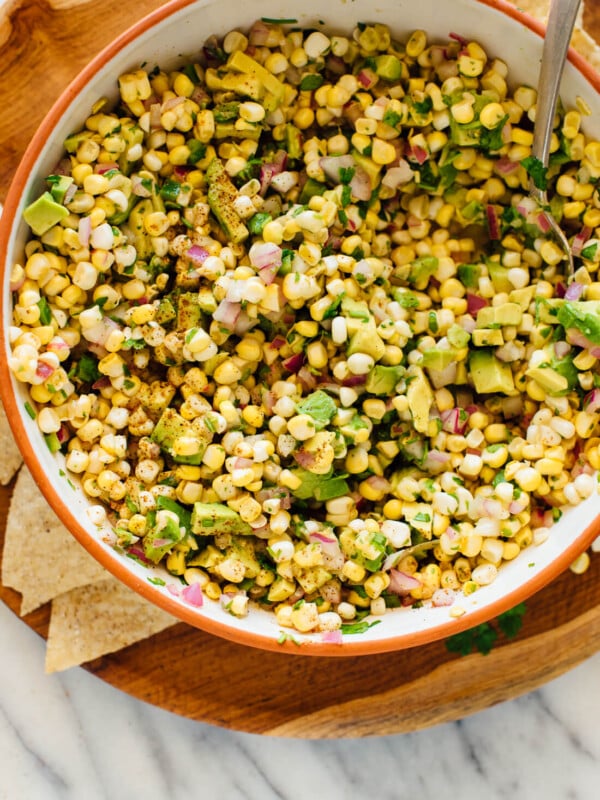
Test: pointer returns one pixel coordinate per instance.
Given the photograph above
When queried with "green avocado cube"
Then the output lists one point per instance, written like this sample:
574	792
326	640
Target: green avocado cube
44	213
211	518
489	374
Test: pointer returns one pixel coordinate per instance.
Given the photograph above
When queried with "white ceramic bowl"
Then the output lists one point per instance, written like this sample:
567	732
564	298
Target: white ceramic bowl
165	37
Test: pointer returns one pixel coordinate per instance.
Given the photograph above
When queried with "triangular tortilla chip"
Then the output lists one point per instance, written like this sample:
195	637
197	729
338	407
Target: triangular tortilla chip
41	559
91	621
11	456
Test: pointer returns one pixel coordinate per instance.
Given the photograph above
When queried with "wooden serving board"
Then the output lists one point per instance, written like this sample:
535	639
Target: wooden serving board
43	43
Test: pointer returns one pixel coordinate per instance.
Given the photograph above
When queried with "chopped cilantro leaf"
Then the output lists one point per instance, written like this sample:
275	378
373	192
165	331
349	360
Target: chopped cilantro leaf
536	171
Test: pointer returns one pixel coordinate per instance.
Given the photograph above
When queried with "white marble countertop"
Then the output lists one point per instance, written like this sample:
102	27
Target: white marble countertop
70	735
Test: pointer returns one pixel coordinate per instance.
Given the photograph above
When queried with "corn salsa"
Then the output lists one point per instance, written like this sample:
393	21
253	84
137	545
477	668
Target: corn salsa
299	330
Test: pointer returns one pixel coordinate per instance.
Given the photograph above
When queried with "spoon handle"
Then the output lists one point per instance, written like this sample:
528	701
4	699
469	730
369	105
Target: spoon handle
556	43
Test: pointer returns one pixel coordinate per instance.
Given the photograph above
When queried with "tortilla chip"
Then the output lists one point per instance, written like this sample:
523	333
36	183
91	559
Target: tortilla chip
41	558
91	621
11	457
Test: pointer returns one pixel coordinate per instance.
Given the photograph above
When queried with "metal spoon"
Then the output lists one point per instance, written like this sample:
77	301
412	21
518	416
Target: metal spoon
556	44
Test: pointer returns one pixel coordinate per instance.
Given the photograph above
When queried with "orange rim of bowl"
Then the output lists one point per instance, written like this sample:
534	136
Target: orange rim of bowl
119	570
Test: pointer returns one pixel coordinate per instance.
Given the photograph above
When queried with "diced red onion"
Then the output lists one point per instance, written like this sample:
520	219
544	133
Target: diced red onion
354	380
591	402
436	461
268	170
102	383
443	377
197	255
395	176
402	583
543	222
84	230
419	154
192	594
335	65
281	494
331	166
580	239
379	483
452	422
561	349
505	166
305	458
174	589
227	313
44	370
560	289
493	222
70	193
243	323
458	38
306	378
574	291
575	336
138	188
265	254
139	553
332	637
259	34
172	102
277	343
367	78
294	363
475	303
100	169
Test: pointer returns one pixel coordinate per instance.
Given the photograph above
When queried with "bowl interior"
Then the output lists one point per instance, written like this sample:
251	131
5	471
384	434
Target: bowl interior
169	35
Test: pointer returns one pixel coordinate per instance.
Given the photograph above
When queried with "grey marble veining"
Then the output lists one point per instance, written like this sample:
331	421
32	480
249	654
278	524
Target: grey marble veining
72	737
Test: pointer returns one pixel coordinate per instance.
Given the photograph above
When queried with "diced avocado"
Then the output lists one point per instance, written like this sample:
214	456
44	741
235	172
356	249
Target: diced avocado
59	185
221	195
420	398
372	169
319	406
421	269
548	379
160	540
457	336
356	313
350	429
494	316
566	368
330	488
170	427
383	379
420	517
487	337
211	518
142	240
469	274
489	374
367	340
388	67
437	358
133	135
522	297
464	135
225	112
243	549
44	213
119	217
293	141
206	301
227	130
311	578
272	86
182	513
188	311
72	142
165	312
499	276
310	189
280	590
583	315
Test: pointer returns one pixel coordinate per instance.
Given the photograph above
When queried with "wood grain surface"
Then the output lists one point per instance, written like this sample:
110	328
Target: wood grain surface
42	47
